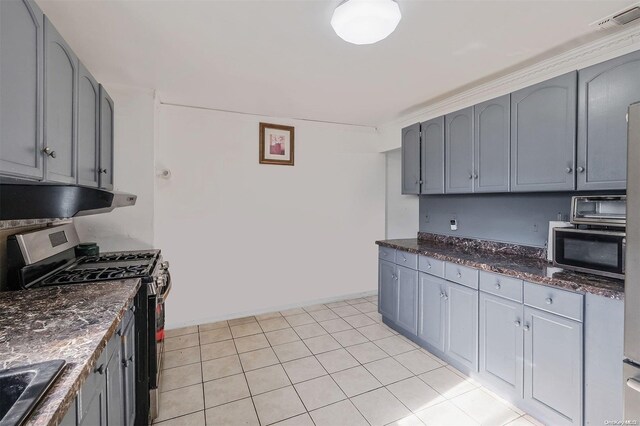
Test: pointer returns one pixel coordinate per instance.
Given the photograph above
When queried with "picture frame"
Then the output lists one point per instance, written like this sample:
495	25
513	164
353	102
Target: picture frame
277	144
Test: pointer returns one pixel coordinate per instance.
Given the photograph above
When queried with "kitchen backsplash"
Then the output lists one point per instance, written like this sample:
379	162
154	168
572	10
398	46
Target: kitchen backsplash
510	218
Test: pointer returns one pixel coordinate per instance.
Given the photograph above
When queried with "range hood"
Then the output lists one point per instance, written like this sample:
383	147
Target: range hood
49	201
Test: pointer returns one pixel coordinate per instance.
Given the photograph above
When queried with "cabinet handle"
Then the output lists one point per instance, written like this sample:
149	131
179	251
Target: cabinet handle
475	175
526	327
428	266
569	169
99	370
517	323
133	309
102	171
470	176
581	169
119	333
548	300
446	297
459	274
51	153
441	295
498	286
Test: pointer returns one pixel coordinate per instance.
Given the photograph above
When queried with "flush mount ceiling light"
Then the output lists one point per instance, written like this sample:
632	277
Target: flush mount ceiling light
365	21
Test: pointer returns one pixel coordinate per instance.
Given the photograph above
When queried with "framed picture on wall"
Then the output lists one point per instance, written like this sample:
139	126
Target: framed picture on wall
276	144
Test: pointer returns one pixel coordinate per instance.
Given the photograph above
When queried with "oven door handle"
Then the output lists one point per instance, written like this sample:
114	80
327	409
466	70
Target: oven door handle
167	288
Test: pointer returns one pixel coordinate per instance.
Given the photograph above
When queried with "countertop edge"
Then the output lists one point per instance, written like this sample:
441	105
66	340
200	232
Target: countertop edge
548	281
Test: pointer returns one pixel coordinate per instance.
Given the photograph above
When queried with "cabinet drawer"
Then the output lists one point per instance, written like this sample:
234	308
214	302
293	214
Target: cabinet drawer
461	274
406	259
431	266
553	300
501	285
387	253
95	381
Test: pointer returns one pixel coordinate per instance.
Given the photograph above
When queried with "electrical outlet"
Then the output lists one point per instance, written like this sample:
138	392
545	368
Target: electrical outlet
454	224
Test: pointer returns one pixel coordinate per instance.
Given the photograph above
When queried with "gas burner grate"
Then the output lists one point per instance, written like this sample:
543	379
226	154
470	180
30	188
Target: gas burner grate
118	257
97	274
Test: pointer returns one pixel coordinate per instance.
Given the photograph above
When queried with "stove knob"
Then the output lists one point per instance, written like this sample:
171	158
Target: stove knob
164	265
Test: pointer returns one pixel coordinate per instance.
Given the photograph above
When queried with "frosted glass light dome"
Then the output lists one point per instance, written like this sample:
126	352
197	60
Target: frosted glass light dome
365	21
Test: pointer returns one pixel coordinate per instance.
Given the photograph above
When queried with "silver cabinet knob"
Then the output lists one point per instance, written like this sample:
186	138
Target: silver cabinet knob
395	277
526	327
470	176
498	286
459	274
441	295
548	300
103	171
475	175
51	153
446	297
517	323
569	169
581	169
428	266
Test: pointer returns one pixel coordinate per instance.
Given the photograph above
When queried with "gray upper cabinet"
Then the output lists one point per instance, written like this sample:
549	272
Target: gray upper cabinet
605	91
60	97
21	73
462	325
431	310
543	135
88	135
492	134
501	344
459	151
407	299
387	290
106	140
433	156
411	159
553	367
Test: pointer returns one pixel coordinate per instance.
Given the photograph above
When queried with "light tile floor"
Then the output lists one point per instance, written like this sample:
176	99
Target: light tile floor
324	365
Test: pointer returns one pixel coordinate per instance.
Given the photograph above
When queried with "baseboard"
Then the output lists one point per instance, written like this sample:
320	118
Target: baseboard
242	314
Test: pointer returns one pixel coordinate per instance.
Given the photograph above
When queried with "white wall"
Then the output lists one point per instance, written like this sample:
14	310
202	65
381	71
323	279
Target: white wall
401	210
244	237
128	228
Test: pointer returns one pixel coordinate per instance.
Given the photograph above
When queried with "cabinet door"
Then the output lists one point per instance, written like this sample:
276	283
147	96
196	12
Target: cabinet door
60	98
431	310
106	140
21	58
553	367
543	135
408	299
462	325
95	414
492	136
115	387
388	290
459	147
501	344
88	142
433	156
411	159
71	418
129	366
605	91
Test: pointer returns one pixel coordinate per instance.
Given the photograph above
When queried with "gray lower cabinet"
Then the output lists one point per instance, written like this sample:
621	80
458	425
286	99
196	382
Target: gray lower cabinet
387	290
411	159
88	130
553	361
107	119
71	418
431	310
461	337
459	151
129	373
21	74
407	316
492	138
605	91
432	165
115	386
60	108
501	345
92	399
543	135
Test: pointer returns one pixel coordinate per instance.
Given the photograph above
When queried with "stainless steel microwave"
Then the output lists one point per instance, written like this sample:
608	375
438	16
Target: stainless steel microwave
599	252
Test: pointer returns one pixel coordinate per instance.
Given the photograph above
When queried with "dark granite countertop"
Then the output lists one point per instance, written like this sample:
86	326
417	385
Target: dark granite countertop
70	322
517	261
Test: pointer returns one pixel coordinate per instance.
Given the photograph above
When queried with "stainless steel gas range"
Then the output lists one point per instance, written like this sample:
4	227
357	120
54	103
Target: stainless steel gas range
47	257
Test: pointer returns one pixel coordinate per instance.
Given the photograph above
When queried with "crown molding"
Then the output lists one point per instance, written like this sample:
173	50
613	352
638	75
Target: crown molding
607	47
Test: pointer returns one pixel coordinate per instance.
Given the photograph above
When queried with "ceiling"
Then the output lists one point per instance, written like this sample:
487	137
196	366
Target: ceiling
281	57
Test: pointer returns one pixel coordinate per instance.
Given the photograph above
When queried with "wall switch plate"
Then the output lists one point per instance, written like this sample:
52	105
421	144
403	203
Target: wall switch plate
454	224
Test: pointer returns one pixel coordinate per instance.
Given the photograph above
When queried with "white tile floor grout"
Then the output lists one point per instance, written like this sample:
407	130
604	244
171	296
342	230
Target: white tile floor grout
330	377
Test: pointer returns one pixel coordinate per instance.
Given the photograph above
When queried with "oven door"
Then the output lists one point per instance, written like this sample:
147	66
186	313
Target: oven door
592	251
